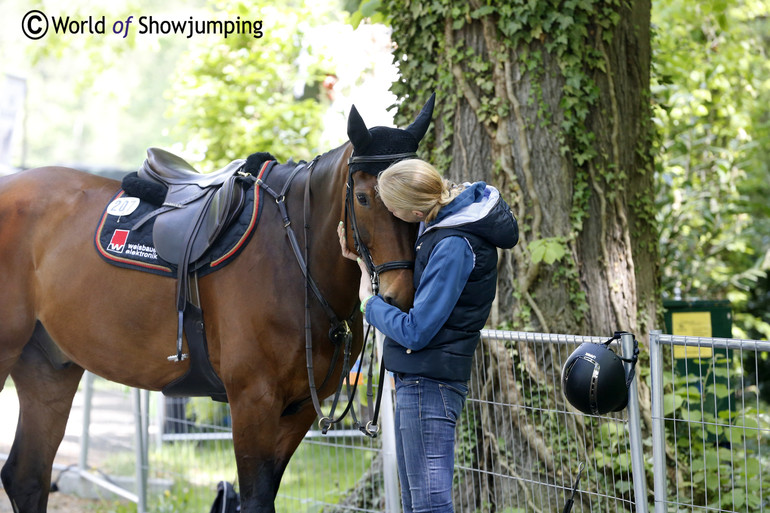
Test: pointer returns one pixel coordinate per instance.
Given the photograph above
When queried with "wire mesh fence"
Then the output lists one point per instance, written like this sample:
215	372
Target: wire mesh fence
195	451
711	425
520	445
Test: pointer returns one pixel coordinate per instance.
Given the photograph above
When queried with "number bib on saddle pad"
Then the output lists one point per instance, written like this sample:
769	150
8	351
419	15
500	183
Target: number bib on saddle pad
120	244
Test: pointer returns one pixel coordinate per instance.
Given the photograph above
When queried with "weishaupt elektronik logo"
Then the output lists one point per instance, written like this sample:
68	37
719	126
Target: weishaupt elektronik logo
118	241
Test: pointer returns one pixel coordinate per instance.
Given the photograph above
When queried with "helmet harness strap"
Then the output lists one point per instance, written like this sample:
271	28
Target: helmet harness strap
634	358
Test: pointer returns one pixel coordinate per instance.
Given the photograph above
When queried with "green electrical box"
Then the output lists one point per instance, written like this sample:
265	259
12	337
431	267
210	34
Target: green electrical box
705	367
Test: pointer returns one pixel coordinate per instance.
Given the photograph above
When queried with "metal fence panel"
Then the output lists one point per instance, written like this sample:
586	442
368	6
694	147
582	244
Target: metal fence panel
711	427
196	451
520	444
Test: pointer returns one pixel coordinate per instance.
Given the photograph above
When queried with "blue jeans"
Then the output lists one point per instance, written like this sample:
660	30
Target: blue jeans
426	414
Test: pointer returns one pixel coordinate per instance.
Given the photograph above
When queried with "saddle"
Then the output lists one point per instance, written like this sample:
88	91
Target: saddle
197	207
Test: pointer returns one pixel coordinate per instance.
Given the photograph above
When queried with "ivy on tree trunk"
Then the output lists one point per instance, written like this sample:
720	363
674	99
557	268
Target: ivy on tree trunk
549	101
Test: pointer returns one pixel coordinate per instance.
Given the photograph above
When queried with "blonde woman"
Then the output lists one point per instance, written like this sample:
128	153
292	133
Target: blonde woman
430	348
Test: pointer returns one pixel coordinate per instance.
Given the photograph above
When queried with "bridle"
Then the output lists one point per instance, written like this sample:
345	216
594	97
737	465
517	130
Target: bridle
340	334
350	212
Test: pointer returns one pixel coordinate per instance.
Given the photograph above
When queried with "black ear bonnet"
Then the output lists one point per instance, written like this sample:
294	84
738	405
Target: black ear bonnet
389	144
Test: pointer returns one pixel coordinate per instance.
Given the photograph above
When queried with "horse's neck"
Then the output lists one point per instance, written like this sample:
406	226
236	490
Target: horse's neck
330	179
327	206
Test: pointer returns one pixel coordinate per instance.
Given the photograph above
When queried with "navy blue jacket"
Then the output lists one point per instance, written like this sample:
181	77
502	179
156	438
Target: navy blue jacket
455	278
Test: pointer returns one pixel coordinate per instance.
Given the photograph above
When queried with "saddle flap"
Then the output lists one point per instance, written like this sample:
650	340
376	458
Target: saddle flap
226	205
178	229
198	223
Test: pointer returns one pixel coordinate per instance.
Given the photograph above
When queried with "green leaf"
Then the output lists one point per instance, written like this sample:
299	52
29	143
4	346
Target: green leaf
482	11
548	250
736	499
692	415
612	430
623	461
671	403
369	7
601	459
721	390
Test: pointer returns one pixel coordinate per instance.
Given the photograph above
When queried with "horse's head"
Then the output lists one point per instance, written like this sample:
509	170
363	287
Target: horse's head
385	243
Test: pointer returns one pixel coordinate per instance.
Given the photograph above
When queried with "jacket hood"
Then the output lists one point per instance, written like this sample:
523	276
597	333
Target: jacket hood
480	210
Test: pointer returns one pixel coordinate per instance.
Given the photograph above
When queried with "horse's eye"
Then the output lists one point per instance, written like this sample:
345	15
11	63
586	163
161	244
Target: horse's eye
362	200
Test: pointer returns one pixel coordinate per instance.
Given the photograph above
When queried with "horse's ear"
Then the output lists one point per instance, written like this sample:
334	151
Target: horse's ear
420	125
357	132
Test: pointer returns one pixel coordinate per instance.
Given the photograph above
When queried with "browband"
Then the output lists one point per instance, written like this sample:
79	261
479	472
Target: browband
371	159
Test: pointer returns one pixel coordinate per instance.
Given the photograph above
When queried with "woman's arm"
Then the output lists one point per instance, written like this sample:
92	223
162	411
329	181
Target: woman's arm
441	284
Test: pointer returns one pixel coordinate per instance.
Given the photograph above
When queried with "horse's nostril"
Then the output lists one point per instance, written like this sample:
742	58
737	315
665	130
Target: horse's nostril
393	302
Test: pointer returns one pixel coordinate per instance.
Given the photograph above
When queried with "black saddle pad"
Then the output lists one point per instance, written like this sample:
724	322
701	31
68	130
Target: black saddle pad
119	244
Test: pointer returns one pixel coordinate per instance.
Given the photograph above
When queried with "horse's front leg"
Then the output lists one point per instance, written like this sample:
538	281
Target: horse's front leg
45	398
264	442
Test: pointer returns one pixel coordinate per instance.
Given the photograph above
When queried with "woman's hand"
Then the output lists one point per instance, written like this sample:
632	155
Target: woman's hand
350	255
365	286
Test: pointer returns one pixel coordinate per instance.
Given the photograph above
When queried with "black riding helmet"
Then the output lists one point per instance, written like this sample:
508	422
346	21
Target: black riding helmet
594	379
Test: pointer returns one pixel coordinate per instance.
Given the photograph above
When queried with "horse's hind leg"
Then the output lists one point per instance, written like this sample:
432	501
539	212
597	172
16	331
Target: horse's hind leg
45	398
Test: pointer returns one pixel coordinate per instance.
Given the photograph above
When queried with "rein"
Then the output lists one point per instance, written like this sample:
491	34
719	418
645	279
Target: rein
280	200
339	334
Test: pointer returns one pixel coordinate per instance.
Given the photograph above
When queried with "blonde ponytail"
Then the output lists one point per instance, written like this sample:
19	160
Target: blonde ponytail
414	184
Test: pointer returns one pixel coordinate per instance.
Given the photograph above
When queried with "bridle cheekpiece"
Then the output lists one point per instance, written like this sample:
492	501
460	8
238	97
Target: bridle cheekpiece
361	249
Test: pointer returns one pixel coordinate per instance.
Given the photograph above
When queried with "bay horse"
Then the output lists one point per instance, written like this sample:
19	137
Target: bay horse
63	309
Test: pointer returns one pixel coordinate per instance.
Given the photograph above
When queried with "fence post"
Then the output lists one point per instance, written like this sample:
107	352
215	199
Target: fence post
88	393
140	435
658	423
635	430
387	430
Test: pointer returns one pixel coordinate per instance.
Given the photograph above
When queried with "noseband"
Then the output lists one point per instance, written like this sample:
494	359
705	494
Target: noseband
350	212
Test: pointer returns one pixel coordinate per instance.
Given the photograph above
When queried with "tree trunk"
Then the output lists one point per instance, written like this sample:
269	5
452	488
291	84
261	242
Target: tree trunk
563	129
550	103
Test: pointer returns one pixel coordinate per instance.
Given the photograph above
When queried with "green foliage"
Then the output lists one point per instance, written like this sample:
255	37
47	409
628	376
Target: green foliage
93	100
203	410
607	458
527	28
225	97
711	94
722	448
237	95
91	56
